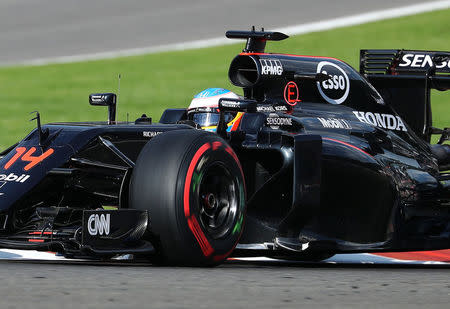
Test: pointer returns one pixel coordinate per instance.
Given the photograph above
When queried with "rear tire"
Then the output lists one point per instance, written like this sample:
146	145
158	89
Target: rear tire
191	183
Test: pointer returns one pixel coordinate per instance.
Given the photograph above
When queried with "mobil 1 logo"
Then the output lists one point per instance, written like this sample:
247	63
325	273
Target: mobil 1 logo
12	178
334	90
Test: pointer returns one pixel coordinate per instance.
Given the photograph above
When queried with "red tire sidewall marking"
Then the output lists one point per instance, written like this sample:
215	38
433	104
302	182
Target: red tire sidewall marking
192	221
193	224
190	172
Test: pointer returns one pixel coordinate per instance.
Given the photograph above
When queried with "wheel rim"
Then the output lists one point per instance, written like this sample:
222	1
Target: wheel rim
218	201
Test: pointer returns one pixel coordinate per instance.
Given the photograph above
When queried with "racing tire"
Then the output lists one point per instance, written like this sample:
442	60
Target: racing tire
192	185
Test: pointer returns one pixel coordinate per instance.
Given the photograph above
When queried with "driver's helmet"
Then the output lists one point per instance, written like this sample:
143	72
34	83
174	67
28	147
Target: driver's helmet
203	109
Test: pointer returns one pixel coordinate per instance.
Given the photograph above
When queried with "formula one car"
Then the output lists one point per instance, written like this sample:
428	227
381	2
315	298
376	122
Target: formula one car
324	160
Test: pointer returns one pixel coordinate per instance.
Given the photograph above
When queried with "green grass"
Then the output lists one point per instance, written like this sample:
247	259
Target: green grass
154	82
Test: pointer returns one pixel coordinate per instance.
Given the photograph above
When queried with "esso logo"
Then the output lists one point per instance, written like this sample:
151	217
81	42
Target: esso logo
335	82
336	89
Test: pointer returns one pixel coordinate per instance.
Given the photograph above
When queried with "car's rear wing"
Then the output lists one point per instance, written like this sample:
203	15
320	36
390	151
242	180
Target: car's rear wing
404	79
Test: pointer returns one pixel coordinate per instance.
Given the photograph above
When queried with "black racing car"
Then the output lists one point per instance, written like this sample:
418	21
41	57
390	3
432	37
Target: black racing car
325	160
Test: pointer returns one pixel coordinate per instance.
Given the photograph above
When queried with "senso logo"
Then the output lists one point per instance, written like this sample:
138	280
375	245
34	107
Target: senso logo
334	90
422	61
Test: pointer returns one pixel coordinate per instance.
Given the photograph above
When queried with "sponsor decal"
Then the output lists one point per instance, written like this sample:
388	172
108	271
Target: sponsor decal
335	123
421	61
27	156
211	92
385	121
274	121
291	93
206	109
151	133
281	108
99	224
230	104
2	183
266	108
280	121
270	108
4	178
271	67
100	98
334	90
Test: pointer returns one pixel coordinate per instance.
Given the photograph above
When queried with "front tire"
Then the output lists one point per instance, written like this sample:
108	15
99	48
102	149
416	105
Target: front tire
191	183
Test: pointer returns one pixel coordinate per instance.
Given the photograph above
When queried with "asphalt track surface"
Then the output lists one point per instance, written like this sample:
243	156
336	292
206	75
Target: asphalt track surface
235	284
31	29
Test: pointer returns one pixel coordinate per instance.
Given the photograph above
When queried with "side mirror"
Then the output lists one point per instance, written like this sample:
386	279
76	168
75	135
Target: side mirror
236	105
105	99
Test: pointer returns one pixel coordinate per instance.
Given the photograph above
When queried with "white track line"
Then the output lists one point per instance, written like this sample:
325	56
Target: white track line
291	30
367	17
358	258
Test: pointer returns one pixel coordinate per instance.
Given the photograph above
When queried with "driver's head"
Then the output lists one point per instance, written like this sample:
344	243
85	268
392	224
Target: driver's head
203	109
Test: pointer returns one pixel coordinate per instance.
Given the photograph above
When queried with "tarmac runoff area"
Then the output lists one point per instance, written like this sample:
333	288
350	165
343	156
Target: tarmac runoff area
43	280
52	31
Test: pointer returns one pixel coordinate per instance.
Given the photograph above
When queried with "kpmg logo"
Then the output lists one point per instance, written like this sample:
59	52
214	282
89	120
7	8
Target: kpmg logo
271	67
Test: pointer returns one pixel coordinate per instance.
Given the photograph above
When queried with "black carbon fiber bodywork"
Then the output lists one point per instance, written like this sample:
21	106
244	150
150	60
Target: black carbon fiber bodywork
329	166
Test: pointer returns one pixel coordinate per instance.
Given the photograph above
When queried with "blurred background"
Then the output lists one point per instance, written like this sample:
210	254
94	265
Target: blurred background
53	54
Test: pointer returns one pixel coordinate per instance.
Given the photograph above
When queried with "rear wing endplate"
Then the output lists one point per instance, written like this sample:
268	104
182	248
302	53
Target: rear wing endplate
408	64
404	78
